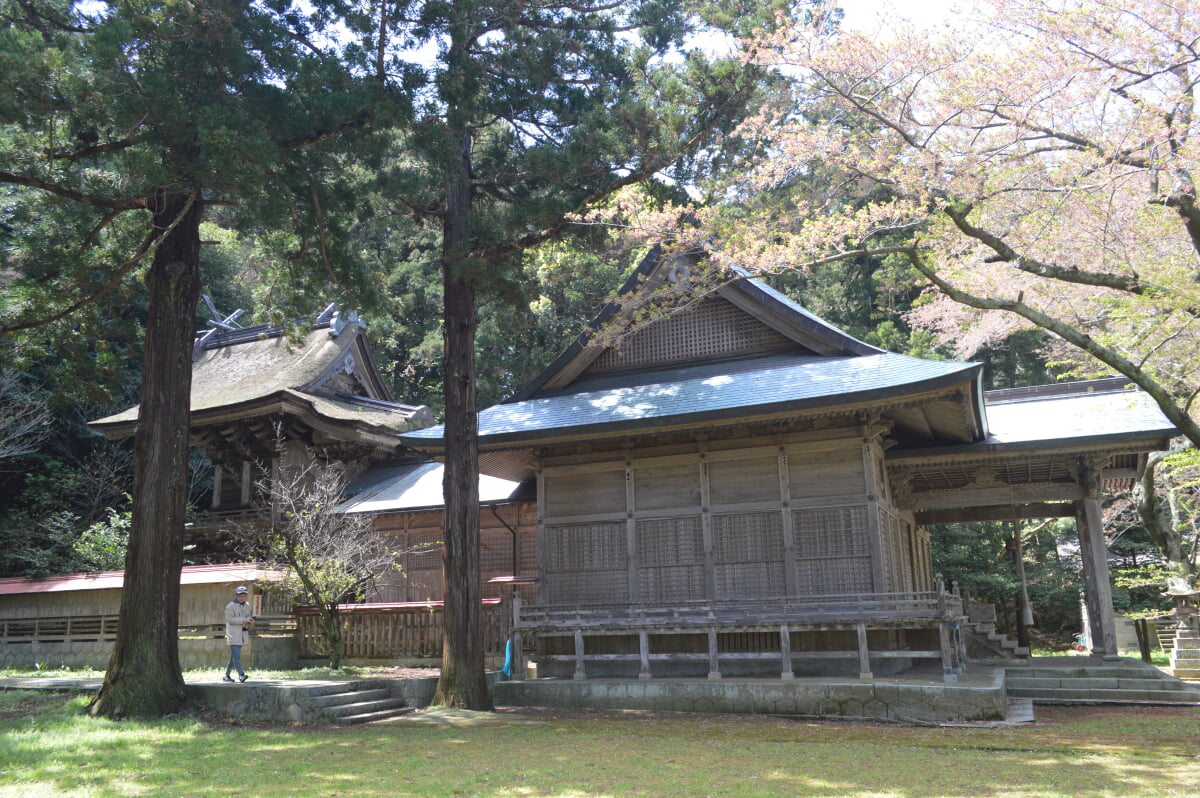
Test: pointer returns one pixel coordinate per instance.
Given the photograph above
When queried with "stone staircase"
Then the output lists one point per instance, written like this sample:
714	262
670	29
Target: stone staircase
351	703
1092	680
1185	654
984	642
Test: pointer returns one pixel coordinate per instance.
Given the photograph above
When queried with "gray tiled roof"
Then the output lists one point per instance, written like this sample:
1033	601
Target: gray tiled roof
415	486
1099	415
1072	414
746	388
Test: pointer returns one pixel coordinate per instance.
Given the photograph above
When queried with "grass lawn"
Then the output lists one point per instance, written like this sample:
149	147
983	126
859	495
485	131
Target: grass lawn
48	747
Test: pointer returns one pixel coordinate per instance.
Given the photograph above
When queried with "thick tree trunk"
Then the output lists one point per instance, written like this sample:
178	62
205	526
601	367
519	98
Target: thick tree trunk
144	678
462	683
1159	517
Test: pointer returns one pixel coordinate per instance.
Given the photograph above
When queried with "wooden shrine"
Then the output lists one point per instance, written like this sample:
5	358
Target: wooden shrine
739	488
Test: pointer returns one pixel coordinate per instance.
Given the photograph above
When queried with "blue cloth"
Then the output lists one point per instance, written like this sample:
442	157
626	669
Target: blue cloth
235	661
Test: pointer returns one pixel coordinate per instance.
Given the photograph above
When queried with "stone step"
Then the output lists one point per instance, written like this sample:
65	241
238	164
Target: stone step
350	697
370	717
1036	682
341	711
1099	672
1066	696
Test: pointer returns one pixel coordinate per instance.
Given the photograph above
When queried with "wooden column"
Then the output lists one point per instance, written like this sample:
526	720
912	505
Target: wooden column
1102	624
791	580
644	654
864	655
580	670
879	563
948	674
631	534
714	666
218	475
248	479
785	653
710	568
516	670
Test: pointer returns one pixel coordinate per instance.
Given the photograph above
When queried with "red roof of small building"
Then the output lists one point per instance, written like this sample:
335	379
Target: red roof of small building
114	580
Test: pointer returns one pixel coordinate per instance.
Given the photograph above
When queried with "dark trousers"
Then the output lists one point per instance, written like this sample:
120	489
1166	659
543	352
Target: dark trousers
235	660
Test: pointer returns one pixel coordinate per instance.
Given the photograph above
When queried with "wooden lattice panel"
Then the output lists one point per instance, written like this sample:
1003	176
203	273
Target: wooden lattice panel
748	555
670	560
833	552
712	327
585	564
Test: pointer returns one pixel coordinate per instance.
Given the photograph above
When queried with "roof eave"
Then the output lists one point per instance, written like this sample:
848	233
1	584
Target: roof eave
842	403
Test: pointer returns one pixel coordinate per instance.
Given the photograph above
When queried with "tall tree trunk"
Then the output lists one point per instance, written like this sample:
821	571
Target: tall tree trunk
1159	517
144	677
462	682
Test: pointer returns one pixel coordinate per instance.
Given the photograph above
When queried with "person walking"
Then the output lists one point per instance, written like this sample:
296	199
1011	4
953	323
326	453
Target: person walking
238	622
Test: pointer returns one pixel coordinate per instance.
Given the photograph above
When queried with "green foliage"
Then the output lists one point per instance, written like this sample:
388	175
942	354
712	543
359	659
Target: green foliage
978	558
102	546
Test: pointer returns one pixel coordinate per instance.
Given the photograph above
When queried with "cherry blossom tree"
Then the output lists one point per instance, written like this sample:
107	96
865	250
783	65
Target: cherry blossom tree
1034	162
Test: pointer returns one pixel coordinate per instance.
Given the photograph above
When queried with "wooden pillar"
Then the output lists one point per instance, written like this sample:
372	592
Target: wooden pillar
248	479
864	654
948	674
644	654
218	476
791	579
710	568
785	653
631	534
714	666
1102	623
516	671
580	671
875	533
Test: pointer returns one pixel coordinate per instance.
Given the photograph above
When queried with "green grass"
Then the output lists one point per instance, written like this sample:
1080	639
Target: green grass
48	747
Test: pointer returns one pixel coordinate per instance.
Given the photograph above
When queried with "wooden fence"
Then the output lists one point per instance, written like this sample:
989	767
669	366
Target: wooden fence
411	630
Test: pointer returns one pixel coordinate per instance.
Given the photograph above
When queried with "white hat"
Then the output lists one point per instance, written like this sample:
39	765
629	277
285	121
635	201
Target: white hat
242	589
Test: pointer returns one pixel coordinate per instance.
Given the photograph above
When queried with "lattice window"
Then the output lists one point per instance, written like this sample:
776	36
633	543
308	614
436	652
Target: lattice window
948	478
831	532
585	564
748	555
670	560
712	327
833	552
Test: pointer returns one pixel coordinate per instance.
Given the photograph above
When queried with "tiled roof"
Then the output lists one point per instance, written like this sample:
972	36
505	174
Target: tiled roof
1098	411
745	388
413	487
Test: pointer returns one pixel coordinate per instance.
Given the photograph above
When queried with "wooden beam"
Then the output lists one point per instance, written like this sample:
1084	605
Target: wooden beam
988	497
1000	512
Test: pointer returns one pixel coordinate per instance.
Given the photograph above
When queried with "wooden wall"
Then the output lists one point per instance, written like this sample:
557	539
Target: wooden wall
420	535
797	514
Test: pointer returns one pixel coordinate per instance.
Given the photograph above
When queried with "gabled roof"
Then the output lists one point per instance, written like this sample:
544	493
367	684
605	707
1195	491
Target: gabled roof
775	312
253	371
744	352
